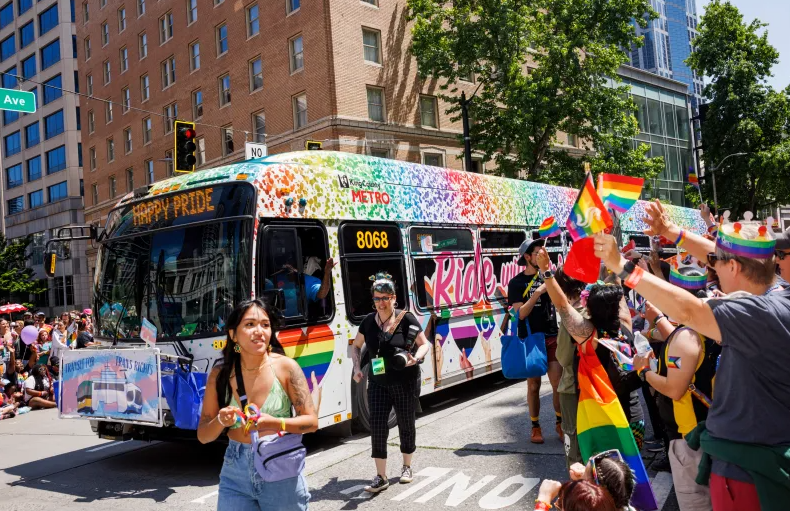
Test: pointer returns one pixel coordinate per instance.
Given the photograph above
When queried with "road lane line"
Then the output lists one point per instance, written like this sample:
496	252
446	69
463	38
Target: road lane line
662	485
111	444
202	500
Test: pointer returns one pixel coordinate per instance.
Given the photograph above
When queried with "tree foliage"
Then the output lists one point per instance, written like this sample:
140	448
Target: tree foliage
745	114
543	67
15	276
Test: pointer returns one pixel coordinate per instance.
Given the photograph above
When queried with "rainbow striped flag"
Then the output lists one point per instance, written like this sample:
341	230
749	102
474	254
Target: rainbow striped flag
601	425
692	178
619	192
588	216
549	228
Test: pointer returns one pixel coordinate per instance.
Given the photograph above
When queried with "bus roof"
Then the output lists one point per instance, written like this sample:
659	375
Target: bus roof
346	186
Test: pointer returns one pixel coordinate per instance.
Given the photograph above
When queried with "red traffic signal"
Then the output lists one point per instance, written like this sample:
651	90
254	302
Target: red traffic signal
185	146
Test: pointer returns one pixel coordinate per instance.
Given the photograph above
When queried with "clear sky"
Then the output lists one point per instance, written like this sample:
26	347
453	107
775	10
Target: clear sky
777	14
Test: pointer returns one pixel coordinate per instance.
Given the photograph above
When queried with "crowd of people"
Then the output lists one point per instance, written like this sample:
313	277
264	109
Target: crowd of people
29	368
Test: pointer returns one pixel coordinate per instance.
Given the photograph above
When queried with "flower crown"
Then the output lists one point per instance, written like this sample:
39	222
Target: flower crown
731	238
687	272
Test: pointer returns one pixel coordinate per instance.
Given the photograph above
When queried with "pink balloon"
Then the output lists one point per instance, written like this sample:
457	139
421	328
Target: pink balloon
29	334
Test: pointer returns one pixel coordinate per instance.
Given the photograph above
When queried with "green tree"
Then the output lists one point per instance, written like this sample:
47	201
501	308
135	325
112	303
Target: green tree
15	276
745	114
543	67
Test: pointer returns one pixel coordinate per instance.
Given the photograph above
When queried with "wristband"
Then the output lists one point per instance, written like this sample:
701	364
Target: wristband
282	423
713	229
635	276
628	269
221	423
659	318
681	237
542	506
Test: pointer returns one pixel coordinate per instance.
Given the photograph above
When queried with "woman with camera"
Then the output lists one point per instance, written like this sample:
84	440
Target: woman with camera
396	344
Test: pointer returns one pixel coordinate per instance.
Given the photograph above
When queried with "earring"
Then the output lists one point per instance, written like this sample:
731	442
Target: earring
395	305
237	348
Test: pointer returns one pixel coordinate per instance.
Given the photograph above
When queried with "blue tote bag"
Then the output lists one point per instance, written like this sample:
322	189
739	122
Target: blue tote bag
523	358
183	390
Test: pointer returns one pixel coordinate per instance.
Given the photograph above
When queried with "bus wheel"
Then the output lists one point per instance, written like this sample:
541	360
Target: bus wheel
361	406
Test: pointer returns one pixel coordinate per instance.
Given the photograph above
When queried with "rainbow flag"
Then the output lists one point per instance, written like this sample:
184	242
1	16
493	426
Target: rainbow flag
588	216
692	178
549	228
601	425
619	192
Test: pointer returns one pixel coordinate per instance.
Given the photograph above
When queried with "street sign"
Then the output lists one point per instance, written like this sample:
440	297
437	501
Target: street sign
253	150
17	101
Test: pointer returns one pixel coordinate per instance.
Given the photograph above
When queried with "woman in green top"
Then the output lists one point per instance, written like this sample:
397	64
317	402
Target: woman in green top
276	384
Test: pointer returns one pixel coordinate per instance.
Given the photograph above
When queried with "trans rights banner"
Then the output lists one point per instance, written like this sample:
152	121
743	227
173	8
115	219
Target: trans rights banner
121	385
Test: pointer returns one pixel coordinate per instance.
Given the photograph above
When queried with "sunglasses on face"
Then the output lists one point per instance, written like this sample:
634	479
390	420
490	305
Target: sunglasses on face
712	259
377	299
595	460
781	254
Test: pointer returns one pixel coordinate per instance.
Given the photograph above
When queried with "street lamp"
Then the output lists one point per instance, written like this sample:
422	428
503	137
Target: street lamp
713	178
465	117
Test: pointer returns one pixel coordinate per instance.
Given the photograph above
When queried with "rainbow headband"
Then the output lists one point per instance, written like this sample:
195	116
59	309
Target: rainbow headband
761	247
690	282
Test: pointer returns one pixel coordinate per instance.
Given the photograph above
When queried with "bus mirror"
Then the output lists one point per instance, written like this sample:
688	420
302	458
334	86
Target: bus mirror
49	262
275	298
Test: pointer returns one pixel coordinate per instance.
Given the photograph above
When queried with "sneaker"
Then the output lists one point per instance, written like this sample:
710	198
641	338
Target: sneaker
537	436
558	428
379	484
406	475
661	464
654	446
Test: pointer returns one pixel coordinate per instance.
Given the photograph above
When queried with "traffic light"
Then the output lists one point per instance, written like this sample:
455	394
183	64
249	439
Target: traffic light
313	145
185	146
50	258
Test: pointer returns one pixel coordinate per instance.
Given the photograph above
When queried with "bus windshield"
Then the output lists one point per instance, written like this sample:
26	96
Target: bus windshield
184	279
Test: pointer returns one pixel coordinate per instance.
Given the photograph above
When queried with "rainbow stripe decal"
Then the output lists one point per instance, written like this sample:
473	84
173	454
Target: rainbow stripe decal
311	347
673	362
602	425
588	215
618	192
549	228
754	249
692	282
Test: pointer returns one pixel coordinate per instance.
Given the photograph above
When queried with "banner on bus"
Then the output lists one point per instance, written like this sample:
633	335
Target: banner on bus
121	385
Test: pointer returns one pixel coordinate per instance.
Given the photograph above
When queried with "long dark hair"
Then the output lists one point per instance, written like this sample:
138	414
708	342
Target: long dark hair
39	373
603	304
571	287
617	478
229	355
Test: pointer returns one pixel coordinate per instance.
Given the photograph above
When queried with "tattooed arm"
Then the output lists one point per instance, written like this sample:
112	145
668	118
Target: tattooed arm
306	420
579	328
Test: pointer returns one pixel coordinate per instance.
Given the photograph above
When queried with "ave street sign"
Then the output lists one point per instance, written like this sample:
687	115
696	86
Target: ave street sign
17	101
253	150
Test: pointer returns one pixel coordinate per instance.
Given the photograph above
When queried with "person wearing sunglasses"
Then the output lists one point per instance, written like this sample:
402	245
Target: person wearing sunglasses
783	255
574	496
607	469
389	333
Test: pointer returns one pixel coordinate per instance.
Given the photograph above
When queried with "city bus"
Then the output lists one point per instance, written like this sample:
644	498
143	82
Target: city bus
183	251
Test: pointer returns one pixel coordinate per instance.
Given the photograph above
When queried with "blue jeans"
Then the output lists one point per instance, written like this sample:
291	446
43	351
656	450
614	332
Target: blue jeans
242	489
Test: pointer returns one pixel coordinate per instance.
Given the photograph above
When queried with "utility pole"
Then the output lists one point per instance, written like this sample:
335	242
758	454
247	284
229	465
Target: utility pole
467	138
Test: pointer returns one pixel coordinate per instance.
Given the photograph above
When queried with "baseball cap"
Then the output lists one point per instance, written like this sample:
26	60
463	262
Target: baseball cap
783	240
527	247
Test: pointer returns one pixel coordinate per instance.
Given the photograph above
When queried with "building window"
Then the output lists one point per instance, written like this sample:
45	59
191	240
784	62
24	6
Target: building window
53	89
144	87
34	168
108	116
86	46
6	15
85	13
165	28
26	34
53	125
106	72
140	7
191	11
300	111
259	128
13	176
477	166
32	135
197	104
222	39
105	34
224	90
112	187
256	74
168	72
102	4
110	150
148	165
121	19
146	130
194	56
297	54
201	151
16	205
227	141
92	158
89	83
95	193
371	2
371	43
169	167
142	45
127	140
58	192
433	159
124	56
170	116
126	99
56	159
253	24
428	112
36	200
12	144
129	180
79	120
29	67
7	47
50	54
48	20
376	104
91	121
292	5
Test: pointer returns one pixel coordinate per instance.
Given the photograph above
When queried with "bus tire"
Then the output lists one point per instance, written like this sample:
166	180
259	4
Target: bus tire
361	406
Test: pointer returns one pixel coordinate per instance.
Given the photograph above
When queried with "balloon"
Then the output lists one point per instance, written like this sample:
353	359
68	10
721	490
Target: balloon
29	334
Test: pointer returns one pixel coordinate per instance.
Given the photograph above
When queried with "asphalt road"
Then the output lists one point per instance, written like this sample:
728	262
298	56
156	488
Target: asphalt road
473	453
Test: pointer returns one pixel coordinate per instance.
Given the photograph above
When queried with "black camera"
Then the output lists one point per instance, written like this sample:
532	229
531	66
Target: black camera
401	357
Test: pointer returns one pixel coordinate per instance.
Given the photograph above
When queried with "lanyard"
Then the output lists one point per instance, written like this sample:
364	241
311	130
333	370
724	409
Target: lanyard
529	286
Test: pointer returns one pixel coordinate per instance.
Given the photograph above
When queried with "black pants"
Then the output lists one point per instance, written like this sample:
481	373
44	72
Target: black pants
381	400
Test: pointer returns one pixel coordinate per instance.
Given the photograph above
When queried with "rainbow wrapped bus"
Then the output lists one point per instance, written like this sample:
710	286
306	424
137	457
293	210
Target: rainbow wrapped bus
183	251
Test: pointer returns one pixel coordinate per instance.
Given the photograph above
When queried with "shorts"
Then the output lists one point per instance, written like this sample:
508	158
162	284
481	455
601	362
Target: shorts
551	349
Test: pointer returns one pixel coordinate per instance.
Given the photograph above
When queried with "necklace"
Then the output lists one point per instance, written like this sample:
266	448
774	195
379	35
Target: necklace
382	323
255	368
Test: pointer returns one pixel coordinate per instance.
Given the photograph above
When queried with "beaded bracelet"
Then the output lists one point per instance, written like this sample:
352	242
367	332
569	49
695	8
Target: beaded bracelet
542	506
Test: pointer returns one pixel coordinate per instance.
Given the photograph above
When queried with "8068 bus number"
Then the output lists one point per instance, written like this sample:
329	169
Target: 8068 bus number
372	239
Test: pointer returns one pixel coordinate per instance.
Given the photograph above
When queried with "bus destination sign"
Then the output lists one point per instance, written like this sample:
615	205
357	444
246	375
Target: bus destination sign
171	207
